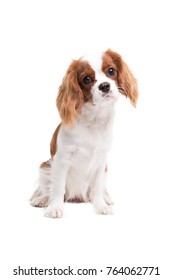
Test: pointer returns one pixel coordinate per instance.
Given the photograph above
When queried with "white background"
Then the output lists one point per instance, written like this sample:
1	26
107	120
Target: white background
38	41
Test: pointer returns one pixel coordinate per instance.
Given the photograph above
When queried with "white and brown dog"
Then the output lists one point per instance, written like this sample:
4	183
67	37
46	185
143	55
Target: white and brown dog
80	144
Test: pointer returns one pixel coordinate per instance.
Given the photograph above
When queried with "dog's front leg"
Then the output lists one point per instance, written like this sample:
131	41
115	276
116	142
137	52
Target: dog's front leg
59	175
98	193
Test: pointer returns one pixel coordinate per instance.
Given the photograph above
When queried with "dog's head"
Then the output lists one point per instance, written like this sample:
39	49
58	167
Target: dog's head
98	80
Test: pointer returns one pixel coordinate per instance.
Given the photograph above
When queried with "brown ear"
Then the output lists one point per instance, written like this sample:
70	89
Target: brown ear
70	96
127	83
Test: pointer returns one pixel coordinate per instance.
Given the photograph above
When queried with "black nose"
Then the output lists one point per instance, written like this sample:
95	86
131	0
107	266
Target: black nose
104	87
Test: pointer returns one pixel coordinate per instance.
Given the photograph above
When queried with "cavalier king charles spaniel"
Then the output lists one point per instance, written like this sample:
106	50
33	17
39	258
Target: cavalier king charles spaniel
77	169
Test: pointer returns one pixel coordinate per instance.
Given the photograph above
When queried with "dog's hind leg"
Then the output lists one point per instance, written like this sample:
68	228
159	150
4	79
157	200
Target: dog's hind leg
41	196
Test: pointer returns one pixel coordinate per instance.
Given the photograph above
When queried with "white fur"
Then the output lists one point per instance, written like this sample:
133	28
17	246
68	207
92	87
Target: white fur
78	168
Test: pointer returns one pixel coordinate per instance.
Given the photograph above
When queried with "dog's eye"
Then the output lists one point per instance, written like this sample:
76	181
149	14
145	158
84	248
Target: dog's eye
111	71
87	80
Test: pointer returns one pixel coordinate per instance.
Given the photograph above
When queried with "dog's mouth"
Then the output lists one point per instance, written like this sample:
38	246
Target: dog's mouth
108	94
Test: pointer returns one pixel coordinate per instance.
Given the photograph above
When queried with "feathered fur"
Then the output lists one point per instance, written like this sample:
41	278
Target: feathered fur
78	166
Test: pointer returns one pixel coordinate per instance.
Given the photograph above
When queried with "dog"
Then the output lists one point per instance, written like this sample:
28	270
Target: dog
86	101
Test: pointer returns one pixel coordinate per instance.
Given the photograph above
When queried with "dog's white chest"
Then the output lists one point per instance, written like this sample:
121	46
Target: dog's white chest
86	151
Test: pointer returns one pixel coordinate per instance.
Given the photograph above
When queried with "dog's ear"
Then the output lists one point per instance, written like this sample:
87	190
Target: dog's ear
70	96
127	84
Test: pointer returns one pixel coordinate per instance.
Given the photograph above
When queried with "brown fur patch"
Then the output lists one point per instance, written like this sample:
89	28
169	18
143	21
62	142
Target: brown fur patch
45	164
53	145
76	200
85	70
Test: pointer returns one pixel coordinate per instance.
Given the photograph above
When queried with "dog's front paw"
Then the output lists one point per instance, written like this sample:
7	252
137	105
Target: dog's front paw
54	211
103	208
